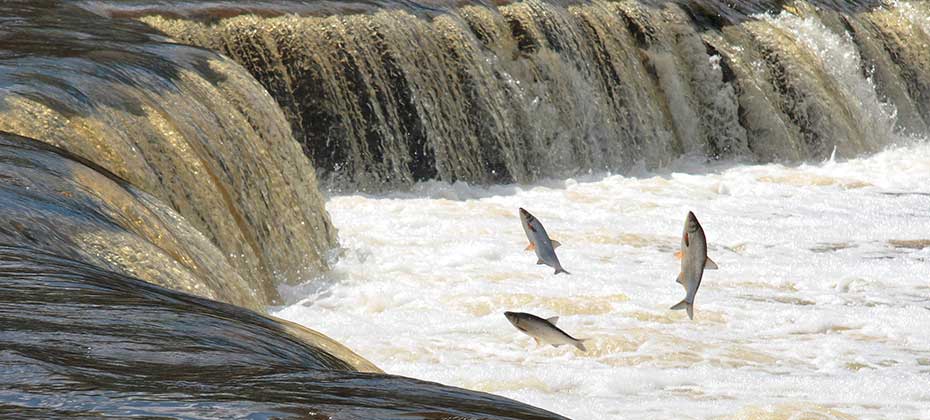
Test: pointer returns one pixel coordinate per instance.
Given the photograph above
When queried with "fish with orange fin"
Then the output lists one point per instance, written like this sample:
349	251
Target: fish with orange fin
694	261
540	242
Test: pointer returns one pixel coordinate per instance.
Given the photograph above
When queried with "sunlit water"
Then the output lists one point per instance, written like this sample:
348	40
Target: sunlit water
820	309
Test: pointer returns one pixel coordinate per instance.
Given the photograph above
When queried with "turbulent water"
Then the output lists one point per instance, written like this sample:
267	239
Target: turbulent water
154	195
818	311
536	89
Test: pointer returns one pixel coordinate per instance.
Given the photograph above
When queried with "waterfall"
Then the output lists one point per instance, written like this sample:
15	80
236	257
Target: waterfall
187	126
387	96
152	197
161	164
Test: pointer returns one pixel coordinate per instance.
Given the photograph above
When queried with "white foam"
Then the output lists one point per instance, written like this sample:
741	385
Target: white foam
812	302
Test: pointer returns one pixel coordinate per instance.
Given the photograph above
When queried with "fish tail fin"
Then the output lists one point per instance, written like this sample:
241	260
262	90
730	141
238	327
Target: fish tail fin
579	344
561	270
684	304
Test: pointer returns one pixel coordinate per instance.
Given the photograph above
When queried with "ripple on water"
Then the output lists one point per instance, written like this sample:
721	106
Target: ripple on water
790	411
917	244
629	239
562	306
665	316
799	179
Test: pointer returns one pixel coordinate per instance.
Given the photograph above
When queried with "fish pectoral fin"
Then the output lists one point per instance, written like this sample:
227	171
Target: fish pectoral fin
540	262
538	342
709	264
530	247
687	241
679	255
555	243
553	320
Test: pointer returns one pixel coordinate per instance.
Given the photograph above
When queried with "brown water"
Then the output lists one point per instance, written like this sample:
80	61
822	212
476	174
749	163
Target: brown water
162	192
187	126
153	167
535	89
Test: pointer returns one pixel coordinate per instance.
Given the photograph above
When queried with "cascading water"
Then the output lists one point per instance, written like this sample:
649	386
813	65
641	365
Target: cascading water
535	89
187	126
146	159
154	166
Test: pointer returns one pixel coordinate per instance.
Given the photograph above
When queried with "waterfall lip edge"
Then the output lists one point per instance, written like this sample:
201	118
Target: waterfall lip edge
750	10
726	13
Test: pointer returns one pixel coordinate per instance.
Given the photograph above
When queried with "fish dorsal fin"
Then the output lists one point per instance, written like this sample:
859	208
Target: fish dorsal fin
679	255
709	264
556	244
530	247
540	262
687	242
553	320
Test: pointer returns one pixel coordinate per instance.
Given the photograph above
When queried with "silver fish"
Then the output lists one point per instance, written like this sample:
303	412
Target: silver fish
543	331
540	242
694	260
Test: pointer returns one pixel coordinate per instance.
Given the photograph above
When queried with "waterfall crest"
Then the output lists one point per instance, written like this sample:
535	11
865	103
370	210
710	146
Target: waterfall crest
531	89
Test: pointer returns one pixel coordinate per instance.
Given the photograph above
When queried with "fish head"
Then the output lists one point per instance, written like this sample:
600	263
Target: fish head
691	223
692	226
528	220
516	319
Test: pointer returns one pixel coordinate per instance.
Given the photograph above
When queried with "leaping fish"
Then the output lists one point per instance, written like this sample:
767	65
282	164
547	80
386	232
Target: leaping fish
540	242
694	260
543	331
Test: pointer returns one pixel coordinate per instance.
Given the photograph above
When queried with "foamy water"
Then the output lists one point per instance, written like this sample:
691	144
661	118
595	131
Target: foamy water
820	309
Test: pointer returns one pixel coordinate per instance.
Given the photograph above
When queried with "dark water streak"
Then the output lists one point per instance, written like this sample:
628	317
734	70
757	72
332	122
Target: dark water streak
183	124
77	341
